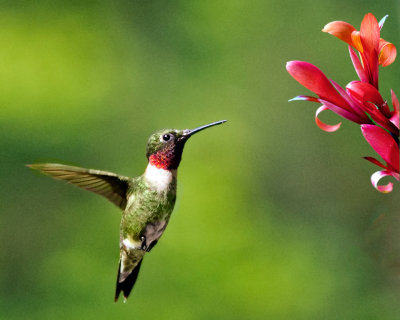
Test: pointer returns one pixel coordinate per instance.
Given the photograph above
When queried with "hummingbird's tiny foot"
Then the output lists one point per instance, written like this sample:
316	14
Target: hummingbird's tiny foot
143	246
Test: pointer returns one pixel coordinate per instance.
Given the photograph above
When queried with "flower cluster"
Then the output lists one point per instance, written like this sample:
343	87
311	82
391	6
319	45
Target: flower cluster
360	101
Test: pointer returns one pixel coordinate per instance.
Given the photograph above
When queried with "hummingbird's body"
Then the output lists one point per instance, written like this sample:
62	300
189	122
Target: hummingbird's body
147	201
144	220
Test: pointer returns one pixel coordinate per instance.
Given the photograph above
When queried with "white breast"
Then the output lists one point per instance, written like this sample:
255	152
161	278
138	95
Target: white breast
159	179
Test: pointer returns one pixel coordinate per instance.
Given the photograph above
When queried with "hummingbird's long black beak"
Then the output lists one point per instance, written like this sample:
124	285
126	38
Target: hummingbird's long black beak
188	133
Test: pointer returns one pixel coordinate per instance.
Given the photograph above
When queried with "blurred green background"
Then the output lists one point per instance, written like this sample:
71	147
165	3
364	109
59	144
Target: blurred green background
275	218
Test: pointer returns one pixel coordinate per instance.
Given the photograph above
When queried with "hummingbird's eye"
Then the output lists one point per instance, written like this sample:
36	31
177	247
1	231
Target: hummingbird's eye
166	137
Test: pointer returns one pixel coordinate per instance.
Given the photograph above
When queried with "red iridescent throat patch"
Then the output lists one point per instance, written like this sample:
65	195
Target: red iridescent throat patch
167	158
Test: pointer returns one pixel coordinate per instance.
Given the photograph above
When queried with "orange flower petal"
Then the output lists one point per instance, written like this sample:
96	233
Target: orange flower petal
387	53
341	30
370	32
356	39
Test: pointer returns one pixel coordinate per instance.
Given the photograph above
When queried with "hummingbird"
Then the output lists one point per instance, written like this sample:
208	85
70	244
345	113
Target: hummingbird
147	201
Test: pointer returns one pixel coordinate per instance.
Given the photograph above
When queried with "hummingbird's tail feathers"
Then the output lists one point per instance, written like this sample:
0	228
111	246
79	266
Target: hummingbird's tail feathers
106	184
127	282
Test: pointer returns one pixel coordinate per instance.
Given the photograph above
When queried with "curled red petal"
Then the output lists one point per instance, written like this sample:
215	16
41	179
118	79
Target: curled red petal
383	143
322	125
314	79
387	53
341	30
378	176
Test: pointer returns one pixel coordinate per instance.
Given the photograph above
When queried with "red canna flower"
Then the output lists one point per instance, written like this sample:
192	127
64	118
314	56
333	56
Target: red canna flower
360	101
388	148
373	50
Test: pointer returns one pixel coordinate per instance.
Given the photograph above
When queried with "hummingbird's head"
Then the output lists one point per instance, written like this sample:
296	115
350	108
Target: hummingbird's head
165	147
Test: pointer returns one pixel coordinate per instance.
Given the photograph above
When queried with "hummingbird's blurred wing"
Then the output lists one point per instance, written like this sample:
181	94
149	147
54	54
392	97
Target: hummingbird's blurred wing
106	184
